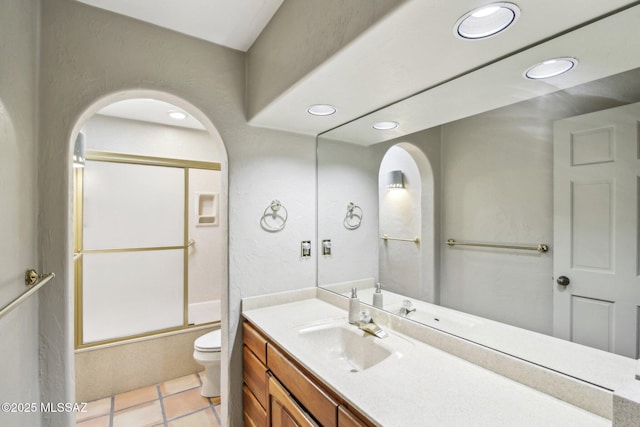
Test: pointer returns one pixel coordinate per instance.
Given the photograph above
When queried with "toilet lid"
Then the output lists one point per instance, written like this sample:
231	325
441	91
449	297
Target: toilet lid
209	342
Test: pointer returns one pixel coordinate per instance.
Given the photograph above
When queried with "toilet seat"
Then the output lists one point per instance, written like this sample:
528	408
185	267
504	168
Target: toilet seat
209	343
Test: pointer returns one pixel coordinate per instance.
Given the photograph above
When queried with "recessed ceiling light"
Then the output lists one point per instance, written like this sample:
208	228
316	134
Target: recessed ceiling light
385	125
551	68
178	115
486	21
321	110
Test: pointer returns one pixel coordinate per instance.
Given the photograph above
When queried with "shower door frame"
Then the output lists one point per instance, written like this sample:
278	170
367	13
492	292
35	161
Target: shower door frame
78	196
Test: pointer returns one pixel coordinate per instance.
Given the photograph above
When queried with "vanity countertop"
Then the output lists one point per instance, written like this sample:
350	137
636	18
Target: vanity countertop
426	386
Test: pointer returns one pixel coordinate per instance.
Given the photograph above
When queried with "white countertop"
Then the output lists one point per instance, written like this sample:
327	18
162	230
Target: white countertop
426	386
592	365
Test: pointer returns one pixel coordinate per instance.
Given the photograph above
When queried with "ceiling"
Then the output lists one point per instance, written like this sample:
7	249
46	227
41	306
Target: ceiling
411	50
232	23
152	111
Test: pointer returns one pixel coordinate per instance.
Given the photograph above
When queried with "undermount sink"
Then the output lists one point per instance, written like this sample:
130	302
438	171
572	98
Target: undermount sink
349	348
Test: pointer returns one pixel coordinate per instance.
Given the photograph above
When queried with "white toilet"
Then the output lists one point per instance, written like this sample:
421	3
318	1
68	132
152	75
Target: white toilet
206	352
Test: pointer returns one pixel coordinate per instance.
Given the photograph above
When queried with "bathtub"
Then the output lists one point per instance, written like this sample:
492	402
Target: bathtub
204	312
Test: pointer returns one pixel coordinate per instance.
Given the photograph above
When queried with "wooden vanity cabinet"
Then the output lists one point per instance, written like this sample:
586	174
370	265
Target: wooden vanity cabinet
255	391
278	392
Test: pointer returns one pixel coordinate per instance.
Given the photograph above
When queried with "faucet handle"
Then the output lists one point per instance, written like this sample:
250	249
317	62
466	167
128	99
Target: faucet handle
365	316
407	304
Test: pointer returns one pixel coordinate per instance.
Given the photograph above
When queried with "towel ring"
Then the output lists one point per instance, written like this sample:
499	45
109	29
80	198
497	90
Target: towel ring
353	218
275	210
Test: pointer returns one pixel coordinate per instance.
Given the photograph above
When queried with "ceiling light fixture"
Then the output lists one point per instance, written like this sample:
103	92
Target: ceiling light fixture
321	110
486	21
177	115
385	125
551	68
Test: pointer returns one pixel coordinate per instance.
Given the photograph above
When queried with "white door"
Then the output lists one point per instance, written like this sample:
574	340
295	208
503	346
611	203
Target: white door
596	264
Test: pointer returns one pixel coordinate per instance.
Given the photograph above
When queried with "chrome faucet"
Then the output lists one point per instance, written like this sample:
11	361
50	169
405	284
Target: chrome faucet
406	309
367	324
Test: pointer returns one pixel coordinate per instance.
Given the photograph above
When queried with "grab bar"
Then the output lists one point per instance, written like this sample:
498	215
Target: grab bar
541	247
414	240
31	277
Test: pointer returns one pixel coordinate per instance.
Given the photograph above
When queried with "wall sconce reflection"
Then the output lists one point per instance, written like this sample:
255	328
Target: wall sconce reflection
395	179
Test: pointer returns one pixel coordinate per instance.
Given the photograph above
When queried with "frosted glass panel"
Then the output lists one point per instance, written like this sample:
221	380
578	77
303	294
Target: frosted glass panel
132	206
206	260
131	293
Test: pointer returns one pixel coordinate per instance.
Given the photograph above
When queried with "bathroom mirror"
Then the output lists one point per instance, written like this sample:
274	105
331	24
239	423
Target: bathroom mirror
476	156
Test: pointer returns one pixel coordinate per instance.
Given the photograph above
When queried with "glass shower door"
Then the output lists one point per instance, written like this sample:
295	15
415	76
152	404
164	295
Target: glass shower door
133	250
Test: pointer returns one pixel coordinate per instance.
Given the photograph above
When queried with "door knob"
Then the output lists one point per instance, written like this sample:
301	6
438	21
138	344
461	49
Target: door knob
563	281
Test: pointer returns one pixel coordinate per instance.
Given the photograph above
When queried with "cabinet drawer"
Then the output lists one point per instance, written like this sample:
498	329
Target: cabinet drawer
319	404
255	375
254	414
256	342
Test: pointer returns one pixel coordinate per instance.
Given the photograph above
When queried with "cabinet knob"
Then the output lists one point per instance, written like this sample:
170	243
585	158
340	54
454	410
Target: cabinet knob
563	281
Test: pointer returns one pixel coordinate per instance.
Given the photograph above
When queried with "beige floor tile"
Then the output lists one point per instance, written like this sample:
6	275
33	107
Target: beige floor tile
94	409
179	384
184	403
102	421
145	415
135	397
203	418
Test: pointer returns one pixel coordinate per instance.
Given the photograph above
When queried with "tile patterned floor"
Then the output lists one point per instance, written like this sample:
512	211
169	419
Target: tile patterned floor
174	403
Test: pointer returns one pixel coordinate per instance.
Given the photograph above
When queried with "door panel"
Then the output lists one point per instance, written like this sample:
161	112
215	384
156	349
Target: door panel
591	212
592	322
596	202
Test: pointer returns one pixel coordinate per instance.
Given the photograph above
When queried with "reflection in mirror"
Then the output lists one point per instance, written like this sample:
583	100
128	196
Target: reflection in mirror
405	195
486	178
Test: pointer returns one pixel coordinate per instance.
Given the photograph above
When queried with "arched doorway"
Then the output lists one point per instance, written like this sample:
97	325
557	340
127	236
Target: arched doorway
152	144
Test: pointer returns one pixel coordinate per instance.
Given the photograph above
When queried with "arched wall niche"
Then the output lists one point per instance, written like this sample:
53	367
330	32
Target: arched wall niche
418	199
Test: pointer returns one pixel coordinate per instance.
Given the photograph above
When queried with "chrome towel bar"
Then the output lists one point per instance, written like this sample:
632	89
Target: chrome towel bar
31	278
541	247
414	240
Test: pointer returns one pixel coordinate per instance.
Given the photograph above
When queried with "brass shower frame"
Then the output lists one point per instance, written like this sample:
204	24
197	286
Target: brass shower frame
78	191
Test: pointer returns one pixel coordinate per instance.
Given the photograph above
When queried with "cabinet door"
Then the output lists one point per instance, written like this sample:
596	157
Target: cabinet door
348	419
254	414
285	412
255	376
306	391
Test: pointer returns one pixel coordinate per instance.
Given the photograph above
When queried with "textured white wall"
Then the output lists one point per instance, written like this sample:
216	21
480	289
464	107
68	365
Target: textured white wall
19	365
497	187
347	173
400	209
310	32
106	133
88	55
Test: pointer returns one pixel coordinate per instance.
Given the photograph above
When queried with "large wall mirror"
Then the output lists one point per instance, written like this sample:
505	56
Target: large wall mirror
539	178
